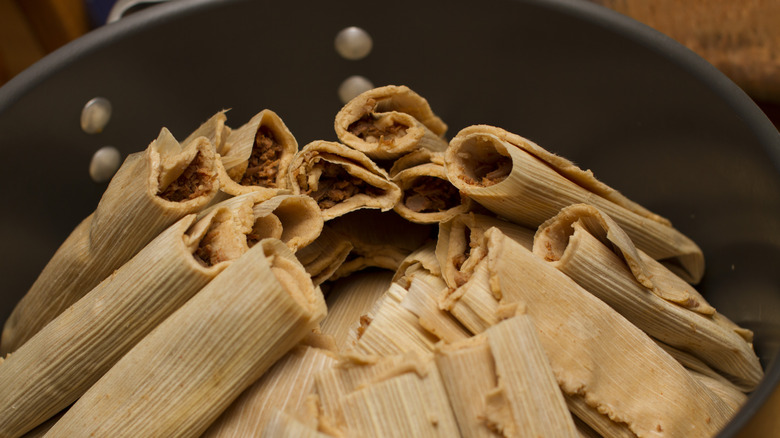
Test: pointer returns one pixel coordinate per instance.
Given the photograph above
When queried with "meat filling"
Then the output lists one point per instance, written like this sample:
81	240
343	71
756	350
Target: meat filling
336	185
263	164
192	183
429	194
367	129
487	170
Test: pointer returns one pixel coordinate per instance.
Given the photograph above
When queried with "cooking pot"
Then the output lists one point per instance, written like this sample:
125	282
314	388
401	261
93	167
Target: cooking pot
648	116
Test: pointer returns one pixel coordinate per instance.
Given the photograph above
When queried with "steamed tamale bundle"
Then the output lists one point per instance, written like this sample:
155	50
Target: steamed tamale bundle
519	180
507	293
72	352
150	191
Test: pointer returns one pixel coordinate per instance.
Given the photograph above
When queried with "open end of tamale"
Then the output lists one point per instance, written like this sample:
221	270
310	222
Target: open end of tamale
335	185
375	128
196	180
290	274
428	194
262	167
482	162
226	239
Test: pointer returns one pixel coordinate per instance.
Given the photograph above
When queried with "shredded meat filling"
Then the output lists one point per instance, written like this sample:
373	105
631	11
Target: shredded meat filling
488	170
430	194
367	129
193	182
263	164
336	185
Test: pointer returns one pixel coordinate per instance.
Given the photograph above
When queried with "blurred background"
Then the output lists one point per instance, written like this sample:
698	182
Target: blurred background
741	38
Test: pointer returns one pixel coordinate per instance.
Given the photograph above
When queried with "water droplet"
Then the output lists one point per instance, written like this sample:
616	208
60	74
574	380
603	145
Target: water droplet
353	86
95	115
104	164
353	43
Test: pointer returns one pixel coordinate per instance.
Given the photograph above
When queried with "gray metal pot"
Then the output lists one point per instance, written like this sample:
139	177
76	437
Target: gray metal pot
645	114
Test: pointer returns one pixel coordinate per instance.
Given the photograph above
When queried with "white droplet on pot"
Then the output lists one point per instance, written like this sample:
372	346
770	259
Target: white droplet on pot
104	164
353	43
95	115
352	87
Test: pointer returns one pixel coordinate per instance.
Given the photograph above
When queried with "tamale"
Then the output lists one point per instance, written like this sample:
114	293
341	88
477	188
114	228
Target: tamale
340	179
519	180
325	255
150	191
286	386
284	425
387	122
428	196
179	378
256	156
595	352
57	365
579	241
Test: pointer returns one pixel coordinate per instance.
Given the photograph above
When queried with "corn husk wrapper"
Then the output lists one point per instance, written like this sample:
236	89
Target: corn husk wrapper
421	300
150	191
421	259
387	122
285	425
181	376
325	255
214	129
399	396
691	362
500	384
457	249
44	427
389	329
379	239
287	386
57	365
519	180
340	179
256	156
415	158
596	353
428	196
727	392
600	423
579	241
349	299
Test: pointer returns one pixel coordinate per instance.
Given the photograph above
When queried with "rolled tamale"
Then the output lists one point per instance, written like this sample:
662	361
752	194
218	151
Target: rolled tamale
595	352
150	191
579	241
340	179
256	156
325	255
390	121
179	378
519	180
286	386
57	365
428	196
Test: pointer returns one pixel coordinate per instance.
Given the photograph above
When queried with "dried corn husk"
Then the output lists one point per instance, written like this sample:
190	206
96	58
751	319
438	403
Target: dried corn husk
325	255
500	383
729	393
417	157
595	352
379	239
44	427
285	425
340	179
256	156
400	396
57	365
387	122
214	129
421	299
428	196
600	423
457	249
349	299
423	258
216	345
390	329
286	386
150	191
691	362
519	180
579	241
